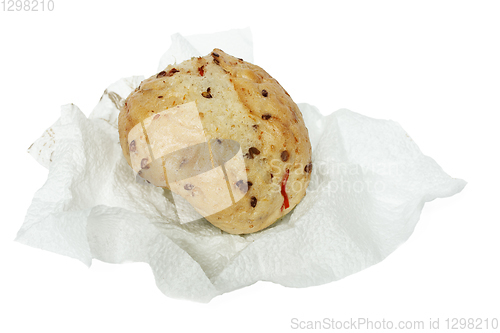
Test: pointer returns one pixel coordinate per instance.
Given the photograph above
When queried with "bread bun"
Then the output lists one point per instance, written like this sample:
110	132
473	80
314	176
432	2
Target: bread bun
217	128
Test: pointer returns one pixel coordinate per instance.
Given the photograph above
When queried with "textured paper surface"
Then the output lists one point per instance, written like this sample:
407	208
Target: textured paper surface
369	184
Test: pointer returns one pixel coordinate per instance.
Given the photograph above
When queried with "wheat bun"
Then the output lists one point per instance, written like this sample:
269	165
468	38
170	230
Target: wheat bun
214	106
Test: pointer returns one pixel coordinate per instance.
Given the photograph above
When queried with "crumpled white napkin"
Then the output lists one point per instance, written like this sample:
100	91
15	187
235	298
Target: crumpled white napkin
369	184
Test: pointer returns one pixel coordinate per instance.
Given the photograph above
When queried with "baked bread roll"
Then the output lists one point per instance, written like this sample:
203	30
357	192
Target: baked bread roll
223	134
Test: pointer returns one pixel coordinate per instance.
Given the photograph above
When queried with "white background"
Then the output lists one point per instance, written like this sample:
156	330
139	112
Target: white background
433	66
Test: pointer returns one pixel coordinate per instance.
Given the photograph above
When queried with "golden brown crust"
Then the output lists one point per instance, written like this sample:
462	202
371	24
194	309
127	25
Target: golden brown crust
239	101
